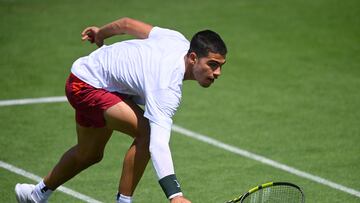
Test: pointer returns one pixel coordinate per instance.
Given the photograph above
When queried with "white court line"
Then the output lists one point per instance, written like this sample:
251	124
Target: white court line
264	160
36	178
218	144
32	101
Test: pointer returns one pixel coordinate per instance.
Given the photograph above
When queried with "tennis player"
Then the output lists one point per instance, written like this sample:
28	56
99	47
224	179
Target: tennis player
106	88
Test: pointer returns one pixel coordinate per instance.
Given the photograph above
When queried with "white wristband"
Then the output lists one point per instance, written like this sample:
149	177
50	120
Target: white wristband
176	195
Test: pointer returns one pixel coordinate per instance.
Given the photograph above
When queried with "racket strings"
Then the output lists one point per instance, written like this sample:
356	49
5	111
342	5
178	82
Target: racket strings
275	194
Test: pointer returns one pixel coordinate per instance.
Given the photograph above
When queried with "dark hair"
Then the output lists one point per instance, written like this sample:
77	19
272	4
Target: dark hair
207	41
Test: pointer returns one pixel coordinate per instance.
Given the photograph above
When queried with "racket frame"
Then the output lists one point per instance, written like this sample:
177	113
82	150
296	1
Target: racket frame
266	185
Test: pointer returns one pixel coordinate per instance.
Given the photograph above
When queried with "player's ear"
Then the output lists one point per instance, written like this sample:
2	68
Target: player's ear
193	57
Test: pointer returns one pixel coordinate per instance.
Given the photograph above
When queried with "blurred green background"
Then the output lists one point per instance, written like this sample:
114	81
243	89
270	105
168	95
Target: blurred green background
289	91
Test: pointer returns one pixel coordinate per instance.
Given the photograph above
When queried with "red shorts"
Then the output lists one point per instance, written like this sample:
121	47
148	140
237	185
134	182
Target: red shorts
90	102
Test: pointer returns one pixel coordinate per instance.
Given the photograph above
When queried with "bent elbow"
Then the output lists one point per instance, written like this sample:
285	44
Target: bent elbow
125	21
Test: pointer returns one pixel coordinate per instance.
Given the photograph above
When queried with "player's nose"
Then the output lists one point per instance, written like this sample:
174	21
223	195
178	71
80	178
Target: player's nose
217	72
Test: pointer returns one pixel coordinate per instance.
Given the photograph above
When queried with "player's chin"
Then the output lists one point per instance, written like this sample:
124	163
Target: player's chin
206	83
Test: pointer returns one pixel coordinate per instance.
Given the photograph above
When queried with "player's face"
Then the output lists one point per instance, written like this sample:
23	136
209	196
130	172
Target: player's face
208	69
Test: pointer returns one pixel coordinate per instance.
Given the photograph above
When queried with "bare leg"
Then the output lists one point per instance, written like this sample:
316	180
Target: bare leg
88	151
134	164
138	155
126	117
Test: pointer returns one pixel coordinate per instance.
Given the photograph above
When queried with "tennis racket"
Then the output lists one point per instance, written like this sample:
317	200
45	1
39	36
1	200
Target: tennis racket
272	192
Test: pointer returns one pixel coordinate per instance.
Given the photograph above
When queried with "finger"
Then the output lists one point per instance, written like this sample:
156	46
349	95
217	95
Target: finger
90	36
91	29
86	30
85	37
86	34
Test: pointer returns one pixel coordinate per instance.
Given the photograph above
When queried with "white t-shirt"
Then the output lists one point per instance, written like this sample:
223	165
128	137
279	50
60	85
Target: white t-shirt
152	70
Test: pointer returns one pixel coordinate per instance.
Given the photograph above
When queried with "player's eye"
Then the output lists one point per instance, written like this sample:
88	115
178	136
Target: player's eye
213	65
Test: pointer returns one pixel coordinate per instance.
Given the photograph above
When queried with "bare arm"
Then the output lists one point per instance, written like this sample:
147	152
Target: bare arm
126	25
121	26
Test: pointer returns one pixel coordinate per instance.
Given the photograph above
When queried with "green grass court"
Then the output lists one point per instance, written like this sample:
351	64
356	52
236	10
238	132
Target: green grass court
289	92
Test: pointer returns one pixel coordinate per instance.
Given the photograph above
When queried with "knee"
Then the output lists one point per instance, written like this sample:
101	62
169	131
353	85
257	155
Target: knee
143	139
96	158
142	136
88	159
142	143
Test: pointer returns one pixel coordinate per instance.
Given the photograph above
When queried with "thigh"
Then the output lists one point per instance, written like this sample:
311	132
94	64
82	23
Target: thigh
127	117
92	141
90	102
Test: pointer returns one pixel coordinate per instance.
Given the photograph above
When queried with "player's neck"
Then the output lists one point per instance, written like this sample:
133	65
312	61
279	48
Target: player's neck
188	69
